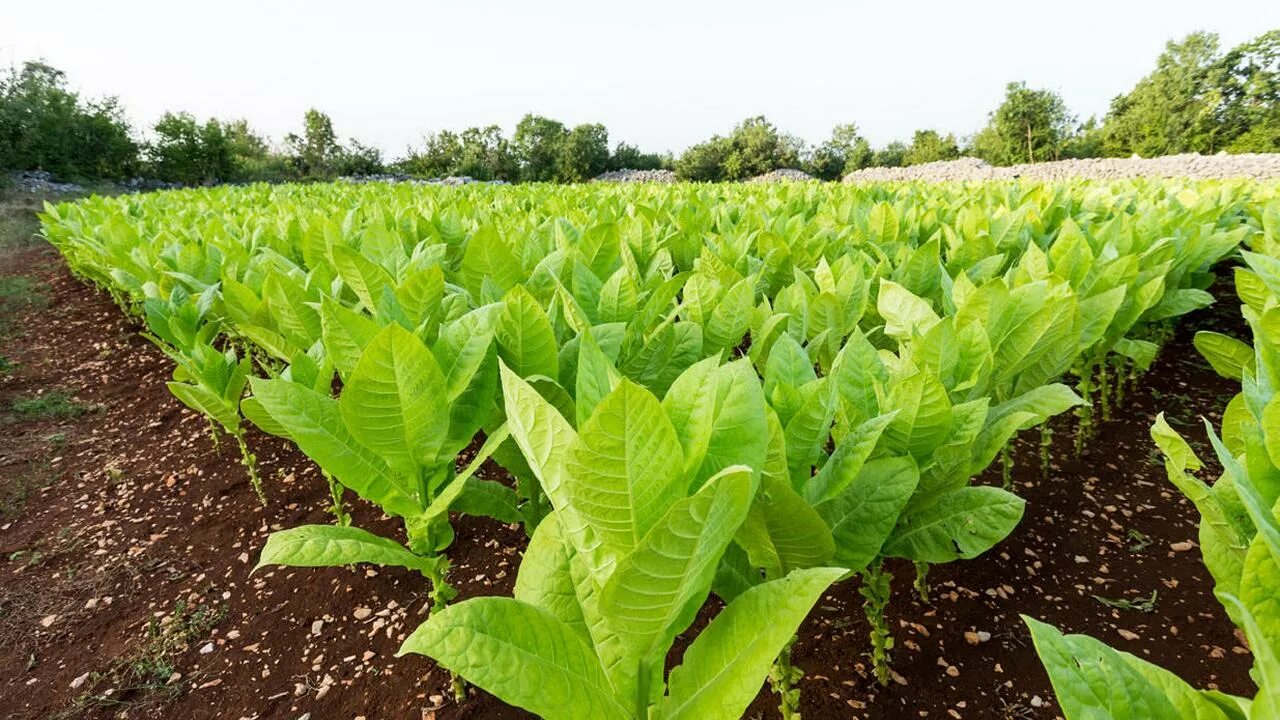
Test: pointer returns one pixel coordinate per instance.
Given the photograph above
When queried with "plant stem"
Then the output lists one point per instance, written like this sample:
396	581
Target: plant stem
338	509
876	585
1104	390
250	461
1046	447
1006	465
922	581
784	679
213	434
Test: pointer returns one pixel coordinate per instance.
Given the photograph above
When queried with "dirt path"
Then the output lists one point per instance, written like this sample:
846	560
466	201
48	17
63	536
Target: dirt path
126	543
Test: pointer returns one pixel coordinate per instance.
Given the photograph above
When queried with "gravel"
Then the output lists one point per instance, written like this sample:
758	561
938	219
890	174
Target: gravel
411	180
783	175
1191	165
41	181
627	175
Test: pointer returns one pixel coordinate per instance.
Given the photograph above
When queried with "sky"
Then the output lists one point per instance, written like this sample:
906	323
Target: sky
660	74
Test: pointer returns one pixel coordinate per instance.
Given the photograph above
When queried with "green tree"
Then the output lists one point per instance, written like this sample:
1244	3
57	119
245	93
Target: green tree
317	148
845	151
189	152
704	162
1249	95
1173	109
537	143
929	146
891	155
43	124
629	157
584	153
1029	126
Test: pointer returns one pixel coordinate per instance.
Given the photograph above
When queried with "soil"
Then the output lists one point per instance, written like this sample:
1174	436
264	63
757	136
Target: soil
127	541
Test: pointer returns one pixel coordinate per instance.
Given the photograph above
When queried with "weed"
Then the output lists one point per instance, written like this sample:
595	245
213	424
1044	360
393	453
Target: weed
1141	604
1138	541
53	404
146	674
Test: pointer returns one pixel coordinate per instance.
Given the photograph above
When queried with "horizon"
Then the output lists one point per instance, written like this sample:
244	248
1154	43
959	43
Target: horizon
787	68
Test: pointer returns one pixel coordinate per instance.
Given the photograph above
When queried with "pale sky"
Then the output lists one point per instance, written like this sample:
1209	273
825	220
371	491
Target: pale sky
661	74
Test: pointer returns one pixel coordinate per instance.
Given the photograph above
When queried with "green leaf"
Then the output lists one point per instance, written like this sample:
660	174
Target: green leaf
526	341
330	545
961	524
865	512
783	532
208	403
1092	681
315	425
846	462
626	467
1229	357
726	664
395	401
657	588
522	654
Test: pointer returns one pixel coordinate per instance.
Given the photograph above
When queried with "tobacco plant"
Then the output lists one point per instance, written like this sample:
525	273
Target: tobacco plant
619	569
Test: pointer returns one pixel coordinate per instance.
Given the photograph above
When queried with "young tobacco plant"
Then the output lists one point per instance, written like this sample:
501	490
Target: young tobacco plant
392	437
618	569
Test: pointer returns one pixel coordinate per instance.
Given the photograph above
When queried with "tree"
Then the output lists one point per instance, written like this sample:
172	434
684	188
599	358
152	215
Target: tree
1173	109
356	158
537	142
189	152
584	153
1029	126
1249	95
45	125
316	149
891	155
754	147
929	146
485	154
629	157
845	151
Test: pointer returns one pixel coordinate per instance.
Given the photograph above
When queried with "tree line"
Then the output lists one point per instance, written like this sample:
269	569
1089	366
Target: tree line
1198	98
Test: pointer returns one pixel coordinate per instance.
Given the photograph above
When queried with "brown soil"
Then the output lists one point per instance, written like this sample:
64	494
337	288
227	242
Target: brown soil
127	540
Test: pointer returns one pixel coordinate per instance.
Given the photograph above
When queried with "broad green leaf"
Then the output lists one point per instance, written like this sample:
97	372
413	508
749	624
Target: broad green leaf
1094	682
1229	357
522	654
330	545
783	532
395	402
864	513
657	588
726	664
526	340
315	424
626	467
961	524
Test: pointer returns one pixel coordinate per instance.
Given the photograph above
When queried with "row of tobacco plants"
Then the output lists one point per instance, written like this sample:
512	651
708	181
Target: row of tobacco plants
747	391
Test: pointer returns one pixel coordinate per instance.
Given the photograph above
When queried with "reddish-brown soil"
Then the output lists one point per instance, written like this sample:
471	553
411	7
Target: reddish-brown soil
127	541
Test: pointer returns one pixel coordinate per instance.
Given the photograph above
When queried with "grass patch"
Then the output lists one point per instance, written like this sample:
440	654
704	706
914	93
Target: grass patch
53	404
15	493
146	675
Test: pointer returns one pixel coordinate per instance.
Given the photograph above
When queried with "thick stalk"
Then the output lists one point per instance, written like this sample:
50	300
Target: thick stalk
213	434
1104	390
1085	411
785	678
1046	448
876	584
338	508
1006	465
250	462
